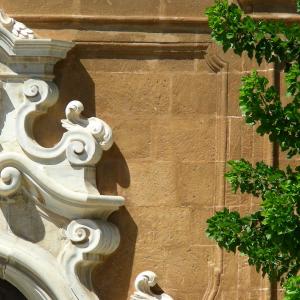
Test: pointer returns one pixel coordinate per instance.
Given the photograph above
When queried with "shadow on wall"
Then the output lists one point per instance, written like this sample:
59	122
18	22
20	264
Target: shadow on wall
112	278
74	83
111	172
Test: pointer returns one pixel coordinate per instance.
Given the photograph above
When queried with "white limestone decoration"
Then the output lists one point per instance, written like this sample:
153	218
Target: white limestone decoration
18	29
143	284
98	128
89	242
59	181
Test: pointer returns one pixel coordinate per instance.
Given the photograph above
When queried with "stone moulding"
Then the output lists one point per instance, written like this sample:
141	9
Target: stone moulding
59	181
279	6
143	284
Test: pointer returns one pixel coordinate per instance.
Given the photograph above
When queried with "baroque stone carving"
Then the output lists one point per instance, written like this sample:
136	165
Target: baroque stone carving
18	29
89	241
143	284
59	181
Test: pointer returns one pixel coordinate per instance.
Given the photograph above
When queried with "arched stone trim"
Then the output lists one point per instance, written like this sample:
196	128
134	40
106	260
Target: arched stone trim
32	270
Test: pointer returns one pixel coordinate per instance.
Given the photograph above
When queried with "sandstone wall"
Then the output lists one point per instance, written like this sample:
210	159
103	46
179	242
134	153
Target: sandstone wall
149	69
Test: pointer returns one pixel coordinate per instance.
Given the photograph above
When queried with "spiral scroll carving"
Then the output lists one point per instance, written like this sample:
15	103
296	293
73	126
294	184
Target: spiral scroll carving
94	235
89	241
41	92
11	180
143	284
98	128
84	140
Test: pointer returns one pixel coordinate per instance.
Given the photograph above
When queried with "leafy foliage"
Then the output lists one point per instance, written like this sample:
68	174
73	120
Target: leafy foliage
269	237
292	287
272	41
261	105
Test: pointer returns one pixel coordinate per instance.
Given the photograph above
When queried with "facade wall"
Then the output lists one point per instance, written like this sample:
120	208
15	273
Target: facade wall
149	69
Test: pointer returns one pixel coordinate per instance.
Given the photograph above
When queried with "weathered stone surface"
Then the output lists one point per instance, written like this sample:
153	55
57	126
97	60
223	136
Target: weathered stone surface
40	6
188	139
184	8
132	94
194	94
120	7
153	184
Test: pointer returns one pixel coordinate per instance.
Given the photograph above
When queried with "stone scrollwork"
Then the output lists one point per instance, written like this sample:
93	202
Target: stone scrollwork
60	181
10	181
88	242
143	284
96	127
85	139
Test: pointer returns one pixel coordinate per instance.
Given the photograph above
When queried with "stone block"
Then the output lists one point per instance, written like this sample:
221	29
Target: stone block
196	184
40	7
198	225
115	65
234	138
194	94
226	295
132	136
132	94
186	139
187	8
166	228
184	266
153	184
230	271
120	7
234	83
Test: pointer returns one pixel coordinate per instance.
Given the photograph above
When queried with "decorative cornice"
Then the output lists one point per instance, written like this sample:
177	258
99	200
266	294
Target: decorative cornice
143	284
77	21
281	6
163	50
168	25
24	54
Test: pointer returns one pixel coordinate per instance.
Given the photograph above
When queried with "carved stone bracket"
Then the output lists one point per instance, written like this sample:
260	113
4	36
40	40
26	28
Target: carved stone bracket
60	181
143	284
89	241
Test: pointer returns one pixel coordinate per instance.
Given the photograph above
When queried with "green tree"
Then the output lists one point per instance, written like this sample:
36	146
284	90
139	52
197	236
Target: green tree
269	237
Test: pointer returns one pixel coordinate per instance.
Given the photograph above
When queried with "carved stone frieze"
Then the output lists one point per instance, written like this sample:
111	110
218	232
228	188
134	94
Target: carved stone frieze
60	181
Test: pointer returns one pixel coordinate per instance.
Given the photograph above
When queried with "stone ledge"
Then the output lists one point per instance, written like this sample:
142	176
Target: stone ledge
279	6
